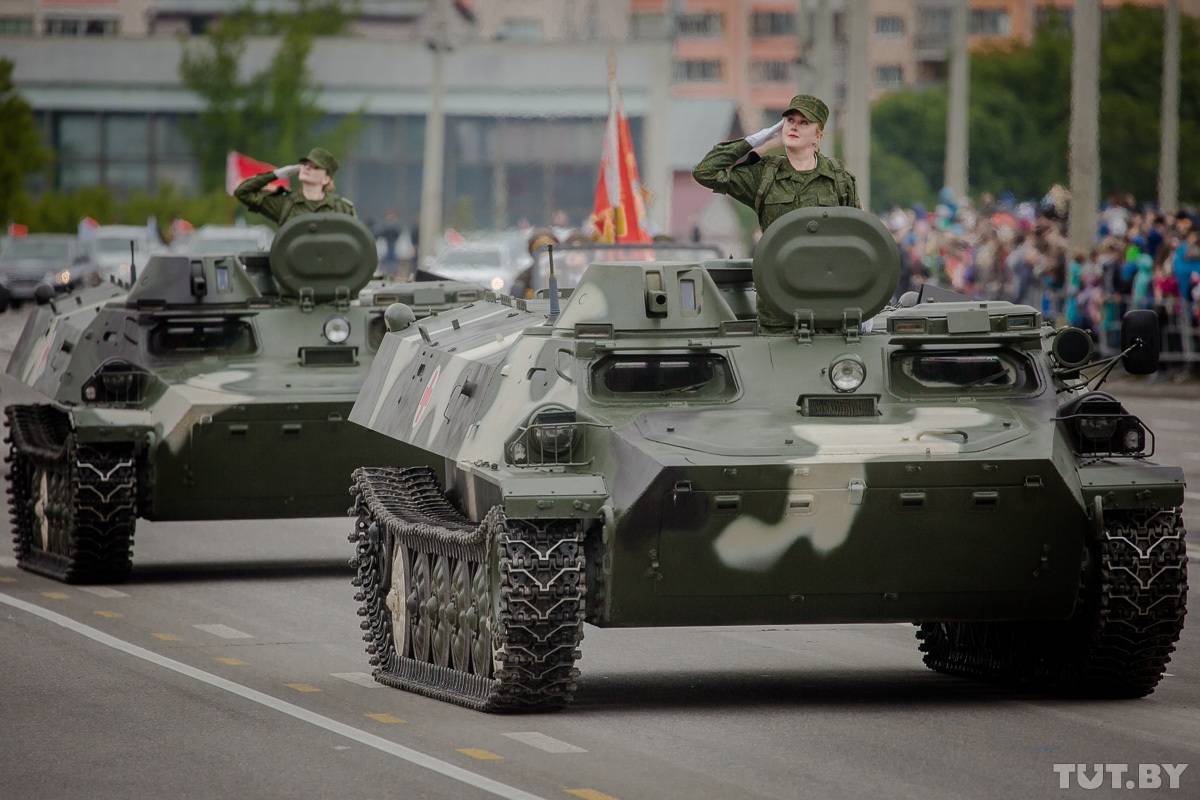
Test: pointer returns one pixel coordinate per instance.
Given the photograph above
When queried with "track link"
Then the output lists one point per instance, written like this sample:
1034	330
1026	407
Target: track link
1133	600
515	603
73	508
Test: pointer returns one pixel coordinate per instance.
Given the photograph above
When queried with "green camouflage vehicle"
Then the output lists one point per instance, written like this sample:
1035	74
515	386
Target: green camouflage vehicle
647	456
217	387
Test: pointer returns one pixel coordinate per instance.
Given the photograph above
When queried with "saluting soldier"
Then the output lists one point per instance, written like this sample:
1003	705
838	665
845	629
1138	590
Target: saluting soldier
775	184
316	190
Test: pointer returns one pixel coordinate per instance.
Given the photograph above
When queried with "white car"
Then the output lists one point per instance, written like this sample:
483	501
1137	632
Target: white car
217	240
489	265
109	246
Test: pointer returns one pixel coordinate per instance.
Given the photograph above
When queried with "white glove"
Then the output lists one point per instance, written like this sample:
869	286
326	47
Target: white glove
288	171
765	135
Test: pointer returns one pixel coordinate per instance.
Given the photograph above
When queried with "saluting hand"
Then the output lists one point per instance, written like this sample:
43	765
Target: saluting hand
764	136
288	171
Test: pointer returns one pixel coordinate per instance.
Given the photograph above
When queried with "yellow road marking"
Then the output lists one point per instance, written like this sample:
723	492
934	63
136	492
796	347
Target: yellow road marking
386	719
482	755
165	637
54	595
590	794
304	688
232	662
108	614
7	579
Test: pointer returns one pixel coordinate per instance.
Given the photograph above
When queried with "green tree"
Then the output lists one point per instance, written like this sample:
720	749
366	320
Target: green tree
1020	114
273	114
21	150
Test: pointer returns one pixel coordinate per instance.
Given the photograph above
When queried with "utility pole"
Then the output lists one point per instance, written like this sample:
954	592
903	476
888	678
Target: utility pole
438	41
822	62
957	132
1168	152
858	98
1084	139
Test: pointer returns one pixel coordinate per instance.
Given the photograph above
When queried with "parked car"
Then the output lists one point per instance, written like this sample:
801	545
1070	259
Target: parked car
38	266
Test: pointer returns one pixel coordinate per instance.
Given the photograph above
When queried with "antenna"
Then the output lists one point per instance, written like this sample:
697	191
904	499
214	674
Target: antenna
553	286
132	265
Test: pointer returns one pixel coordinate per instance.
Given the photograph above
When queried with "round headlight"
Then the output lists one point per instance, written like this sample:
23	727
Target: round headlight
497	283
64	277
337	329
847	374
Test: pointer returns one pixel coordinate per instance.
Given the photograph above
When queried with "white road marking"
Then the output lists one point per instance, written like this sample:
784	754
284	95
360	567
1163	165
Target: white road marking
543	742
224	631
1193	553
283	707
359	679
102	591
5	561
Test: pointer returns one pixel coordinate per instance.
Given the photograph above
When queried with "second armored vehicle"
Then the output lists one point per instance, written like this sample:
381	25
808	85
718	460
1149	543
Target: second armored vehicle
218	387
647	456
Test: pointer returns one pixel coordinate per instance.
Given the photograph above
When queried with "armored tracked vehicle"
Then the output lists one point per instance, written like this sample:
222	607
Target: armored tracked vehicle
648	456
216	387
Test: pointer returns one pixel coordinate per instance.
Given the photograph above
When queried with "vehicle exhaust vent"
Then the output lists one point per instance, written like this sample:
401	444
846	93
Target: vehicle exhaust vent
839	405
328	356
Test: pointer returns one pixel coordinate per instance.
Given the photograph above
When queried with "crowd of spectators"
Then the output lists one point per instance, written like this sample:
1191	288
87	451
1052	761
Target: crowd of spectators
1019	251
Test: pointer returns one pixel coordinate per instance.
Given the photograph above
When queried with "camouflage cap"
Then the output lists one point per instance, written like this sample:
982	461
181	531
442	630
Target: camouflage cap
813	108
320	157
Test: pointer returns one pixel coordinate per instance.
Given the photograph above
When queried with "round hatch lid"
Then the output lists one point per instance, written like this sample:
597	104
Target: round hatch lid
826	260
323	253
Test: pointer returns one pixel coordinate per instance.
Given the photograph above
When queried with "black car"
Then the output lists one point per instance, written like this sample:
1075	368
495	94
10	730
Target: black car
38	266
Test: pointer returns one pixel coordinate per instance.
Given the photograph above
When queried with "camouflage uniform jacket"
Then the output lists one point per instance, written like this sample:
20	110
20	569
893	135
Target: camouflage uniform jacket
279	207
770	185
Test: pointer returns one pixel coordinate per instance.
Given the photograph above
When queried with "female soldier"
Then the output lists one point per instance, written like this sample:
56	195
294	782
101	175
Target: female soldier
316	190
774	185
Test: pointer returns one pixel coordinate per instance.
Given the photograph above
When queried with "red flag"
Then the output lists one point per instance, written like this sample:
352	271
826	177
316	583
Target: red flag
619	210
238	167
17	230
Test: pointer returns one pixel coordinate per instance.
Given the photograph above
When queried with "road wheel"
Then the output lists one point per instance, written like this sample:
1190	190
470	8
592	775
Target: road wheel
73	507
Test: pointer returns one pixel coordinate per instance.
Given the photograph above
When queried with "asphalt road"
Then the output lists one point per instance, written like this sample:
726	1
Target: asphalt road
231	666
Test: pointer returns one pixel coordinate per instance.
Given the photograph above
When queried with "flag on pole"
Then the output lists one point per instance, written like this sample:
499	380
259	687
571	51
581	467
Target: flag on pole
619	210
17	230
238	167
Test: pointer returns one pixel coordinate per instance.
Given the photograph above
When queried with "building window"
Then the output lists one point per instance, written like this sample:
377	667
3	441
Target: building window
935	21
1060	17
68	26
699	25
990	22
769	71
889	27
889	76
16	26
648	26
521	29
772	23
698	70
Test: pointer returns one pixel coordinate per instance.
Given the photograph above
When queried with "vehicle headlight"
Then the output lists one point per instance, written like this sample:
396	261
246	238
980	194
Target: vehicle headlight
554	431
497	283
337	329
63	277
847	374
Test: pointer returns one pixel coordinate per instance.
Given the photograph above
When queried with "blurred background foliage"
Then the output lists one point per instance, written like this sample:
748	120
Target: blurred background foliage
1019	117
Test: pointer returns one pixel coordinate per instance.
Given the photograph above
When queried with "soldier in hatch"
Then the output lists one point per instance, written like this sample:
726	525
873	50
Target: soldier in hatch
316	190
776	184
